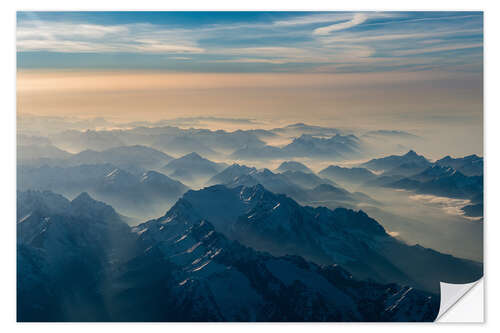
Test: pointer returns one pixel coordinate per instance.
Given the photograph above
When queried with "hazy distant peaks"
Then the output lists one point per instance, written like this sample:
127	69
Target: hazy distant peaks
354	175
329	188
193	169
471	165
85	206
391	133
293	166
410	159
47	203
236	166
192	157
299	125
44	202
155	177
83	198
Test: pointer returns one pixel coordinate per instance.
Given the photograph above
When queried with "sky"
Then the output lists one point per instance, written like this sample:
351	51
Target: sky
326	42
396	70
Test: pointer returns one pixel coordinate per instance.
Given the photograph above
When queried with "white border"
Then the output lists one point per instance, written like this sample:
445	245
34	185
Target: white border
7	199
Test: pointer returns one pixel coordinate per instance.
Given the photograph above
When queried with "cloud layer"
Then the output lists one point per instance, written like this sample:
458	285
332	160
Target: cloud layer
325	42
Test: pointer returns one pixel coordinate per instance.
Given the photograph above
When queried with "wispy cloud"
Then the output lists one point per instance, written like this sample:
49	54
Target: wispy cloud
181	58
438	49
254	61
356	20
38	29
373	37
366	41
313	19
69	38
266	50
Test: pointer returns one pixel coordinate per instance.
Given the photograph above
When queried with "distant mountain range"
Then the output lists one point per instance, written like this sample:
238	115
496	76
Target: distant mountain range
192	168
139	158
74	140
131	158
471	165
410	171
170	139
448	177
349	175
390	133
77	261
146	194
39	153
293	166
297	129
306	141
411	163
445	177
307	188
401	165
443	181
330	147
313	146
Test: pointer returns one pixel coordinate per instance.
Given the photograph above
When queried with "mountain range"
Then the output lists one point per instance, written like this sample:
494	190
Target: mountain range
471	165
307	188
169	139
192	168
254	245
64	249
447	177
297	129
306	141
77	261
399	165
445	182
329	147
146	194
131	158
293	166
277	224
348	175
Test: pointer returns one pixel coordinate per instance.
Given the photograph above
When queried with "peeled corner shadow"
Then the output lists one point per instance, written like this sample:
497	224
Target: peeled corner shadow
451	294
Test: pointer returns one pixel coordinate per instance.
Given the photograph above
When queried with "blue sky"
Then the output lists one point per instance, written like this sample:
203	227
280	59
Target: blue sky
313	42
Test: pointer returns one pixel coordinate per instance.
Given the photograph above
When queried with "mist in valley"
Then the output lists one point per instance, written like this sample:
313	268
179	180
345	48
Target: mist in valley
190	151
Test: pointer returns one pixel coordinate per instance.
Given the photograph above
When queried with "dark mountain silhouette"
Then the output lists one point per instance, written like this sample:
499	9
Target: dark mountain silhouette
276	223
77	261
